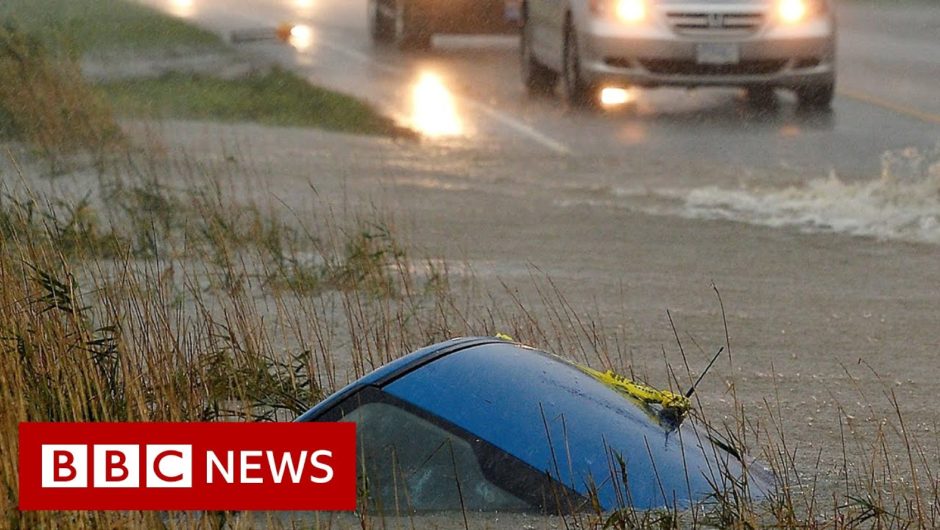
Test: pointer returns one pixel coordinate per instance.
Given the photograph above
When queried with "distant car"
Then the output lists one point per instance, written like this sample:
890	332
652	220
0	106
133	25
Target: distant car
411	23
756	44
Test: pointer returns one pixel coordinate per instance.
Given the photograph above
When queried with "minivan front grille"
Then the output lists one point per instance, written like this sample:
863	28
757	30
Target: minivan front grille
702	23
679	67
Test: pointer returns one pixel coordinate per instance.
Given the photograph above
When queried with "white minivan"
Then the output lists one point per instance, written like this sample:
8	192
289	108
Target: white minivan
756	44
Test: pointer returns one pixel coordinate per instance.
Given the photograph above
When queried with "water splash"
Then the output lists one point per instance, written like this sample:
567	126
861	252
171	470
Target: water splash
903	204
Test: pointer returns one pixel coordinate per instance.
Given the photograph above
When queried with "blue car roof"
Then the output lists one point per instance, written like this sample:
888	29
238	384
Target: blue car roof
395	369
559	420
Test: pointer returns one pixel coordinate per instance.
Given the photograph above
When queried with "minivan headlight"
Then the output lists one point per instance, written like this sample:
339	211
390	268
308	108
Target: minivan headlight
796	11
631	11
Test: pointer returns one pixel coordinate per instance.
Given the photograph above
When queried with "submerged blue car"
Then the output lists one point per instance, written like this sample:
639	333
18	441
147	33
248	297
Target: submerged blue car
490	425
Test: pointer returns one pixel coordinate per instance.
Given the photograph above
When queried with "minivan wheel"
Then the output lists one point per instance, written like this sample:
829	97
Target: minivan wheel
577	91
411	30
381	26
537	78
817	97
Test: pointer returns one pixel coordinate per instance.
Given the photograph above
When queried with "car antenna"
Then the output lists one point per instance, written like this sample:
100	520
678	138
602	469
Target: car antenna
707	368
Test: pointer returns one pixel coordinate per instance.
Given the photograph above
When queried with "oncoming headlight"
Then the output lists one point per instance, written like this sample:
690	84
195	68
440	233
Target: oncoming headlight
631	11
792	11
796	11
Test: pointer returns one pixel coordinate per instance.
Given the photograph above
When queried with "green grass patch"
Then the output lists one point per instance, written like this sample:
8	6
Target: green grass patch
88	26
276	98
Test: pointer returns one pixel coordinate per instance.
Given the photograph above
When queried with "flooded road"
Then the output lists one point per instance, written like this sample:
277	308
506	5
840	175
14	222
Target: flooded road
702	154
888	72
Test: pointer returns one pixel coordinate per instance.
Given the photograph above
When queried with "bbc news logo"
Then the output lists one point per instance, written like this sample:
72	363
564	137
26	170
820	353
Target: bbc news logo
170	466
116	466
187	466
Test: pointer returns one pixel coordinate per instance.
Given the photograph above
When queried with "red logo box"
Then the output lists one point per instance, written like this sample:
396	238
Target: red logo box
187	466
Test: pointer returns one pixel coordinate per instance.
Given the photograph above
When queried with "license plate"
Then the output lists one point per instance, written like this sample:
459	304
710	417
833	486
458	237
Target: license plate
718	53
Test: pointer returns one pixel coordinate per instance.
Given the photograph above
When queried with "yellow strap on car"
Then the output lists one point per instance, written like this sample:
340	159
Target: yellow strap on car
674	405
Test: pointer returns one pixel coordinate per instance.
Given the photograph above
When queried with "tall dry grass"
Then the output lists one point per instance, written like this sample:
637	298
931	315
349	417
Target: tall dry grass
45	102
135	300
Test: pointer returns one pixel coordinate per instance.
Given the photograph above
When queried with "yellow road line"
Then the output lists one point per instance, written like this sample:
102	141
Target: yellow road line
911	112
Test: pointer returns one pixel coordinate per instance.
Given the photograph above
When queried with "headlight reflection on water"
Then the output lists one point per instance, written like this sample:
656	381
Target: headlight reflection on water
615	96
433	108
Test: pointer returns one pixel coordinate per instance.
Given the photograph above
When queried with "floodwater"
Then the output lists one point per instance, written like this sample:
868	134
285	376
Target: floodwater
831	309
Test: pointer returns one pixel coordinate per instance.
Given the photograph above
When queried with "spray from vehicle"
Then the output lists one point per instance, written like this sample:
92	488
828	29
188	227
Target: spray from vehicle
903	204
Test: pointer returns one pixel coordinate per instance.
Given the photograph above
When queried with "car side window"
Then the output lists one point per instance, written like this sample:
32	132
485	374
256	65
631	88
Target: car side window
408	463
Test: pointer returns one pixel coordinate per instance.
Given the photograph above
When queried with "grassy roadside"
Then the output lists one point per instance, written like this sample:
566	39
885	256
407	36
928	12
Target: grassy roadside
56	34
277	97
98	26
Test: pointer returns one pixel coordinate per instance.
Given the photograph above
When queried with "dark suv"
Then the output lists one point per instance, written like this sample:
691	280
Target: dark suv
411	23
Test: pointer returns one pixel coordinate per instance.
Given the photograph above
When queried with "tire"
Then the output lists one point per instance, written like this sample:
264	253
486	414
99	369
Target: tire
762	97
816	97
381	26
411	31
537	78
577	91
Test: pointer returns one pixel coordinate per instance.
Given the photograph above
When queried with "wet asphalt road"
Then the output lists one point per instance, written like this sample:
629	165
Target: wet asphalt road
467	90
